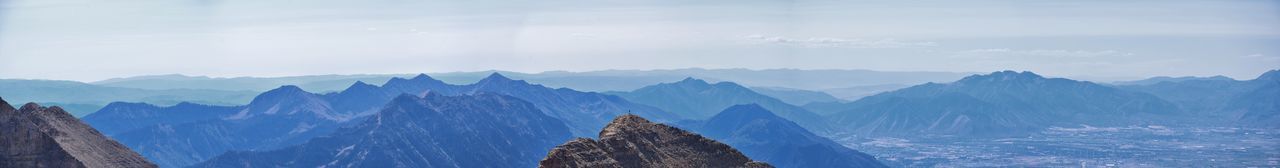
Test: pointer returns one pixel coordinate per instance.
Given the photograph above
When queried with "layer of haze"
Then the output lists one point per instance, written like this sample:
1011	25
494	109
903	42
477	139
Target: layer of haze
89	40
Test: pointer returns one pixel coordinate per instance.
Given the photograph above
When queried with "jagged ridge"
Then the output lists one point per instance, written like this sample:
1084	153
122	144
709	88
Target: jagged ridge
632	141
36	136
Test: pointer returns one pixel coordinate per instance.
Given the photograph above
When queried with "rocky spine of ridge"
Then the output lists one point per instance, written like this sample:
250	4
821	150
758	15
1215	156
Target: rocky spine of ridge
36	136
632	141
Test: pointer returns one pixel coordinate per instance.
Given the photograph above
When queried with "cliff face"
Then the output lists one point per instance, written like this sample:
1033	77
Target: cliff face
632	141
36	136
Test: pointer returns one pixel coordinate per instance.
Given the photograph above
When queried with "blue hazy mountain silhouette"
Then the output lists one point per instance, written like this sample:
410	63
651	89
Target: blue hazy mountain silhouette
697	99
119	117
1223	102
763	136
1161	79
1000	103
188	133
1260	106
289	115
280	117
606	80
87	98
796	97
1205	97
584	112
478	130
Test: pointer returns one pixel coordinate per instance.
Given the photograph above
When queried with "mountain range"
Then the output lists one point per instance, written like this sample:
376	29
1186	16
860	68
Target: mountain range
582	111
120	117
697	99
322	83
1260	107
605	80
1222	101
186	134
513	123
796	96
82	99
1162	79
1000	103
761	135
478	130
857	92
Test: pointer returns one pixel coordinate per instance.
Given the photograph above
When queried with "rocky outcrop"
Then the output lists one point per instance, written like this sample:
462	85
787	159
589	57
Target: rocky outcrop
36	136
632	141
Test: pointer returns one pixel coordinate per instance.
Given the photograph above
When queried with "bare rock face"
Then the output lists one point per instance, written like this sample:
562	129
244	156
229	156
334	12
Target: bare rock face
632	141
36	136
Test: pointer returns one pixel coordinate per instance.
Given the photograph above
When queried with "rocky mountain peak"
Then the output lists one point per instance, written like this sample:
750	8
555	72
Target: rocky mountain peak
416	85
622	122
687	84
283	92
632	141
498	80
422	76
286	91
36	136
4	105
361	88
1002	78
361	84
496	77
31	107
691	80
288	100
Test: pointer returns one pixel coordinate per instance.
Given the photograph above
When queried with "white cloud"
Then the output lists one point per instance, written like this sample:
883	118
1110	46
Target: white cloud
583	35
831	42
1262	57
1005	52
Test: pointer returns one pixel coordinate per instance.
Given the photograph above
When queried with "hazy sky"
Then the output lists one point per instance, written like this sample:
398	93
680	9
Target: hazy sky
90	40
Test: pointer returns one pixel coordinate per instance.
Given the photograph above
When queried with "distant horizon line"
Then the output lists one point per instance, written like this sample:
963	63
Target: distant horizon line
481	71
1113	78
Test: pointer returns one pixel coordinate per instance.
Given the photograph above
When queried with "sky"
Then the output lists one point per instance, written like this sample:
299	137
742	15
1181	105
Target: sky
90	40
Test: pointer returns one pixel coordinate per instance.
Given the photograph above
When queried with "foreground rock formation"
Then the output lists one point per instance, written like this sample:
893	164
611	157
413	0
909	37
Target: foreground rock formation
632	141
36	136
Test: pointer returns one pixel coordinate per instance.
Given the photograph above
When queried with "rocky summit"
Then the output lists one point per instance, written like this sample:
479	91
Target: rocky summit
632	141
36	136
